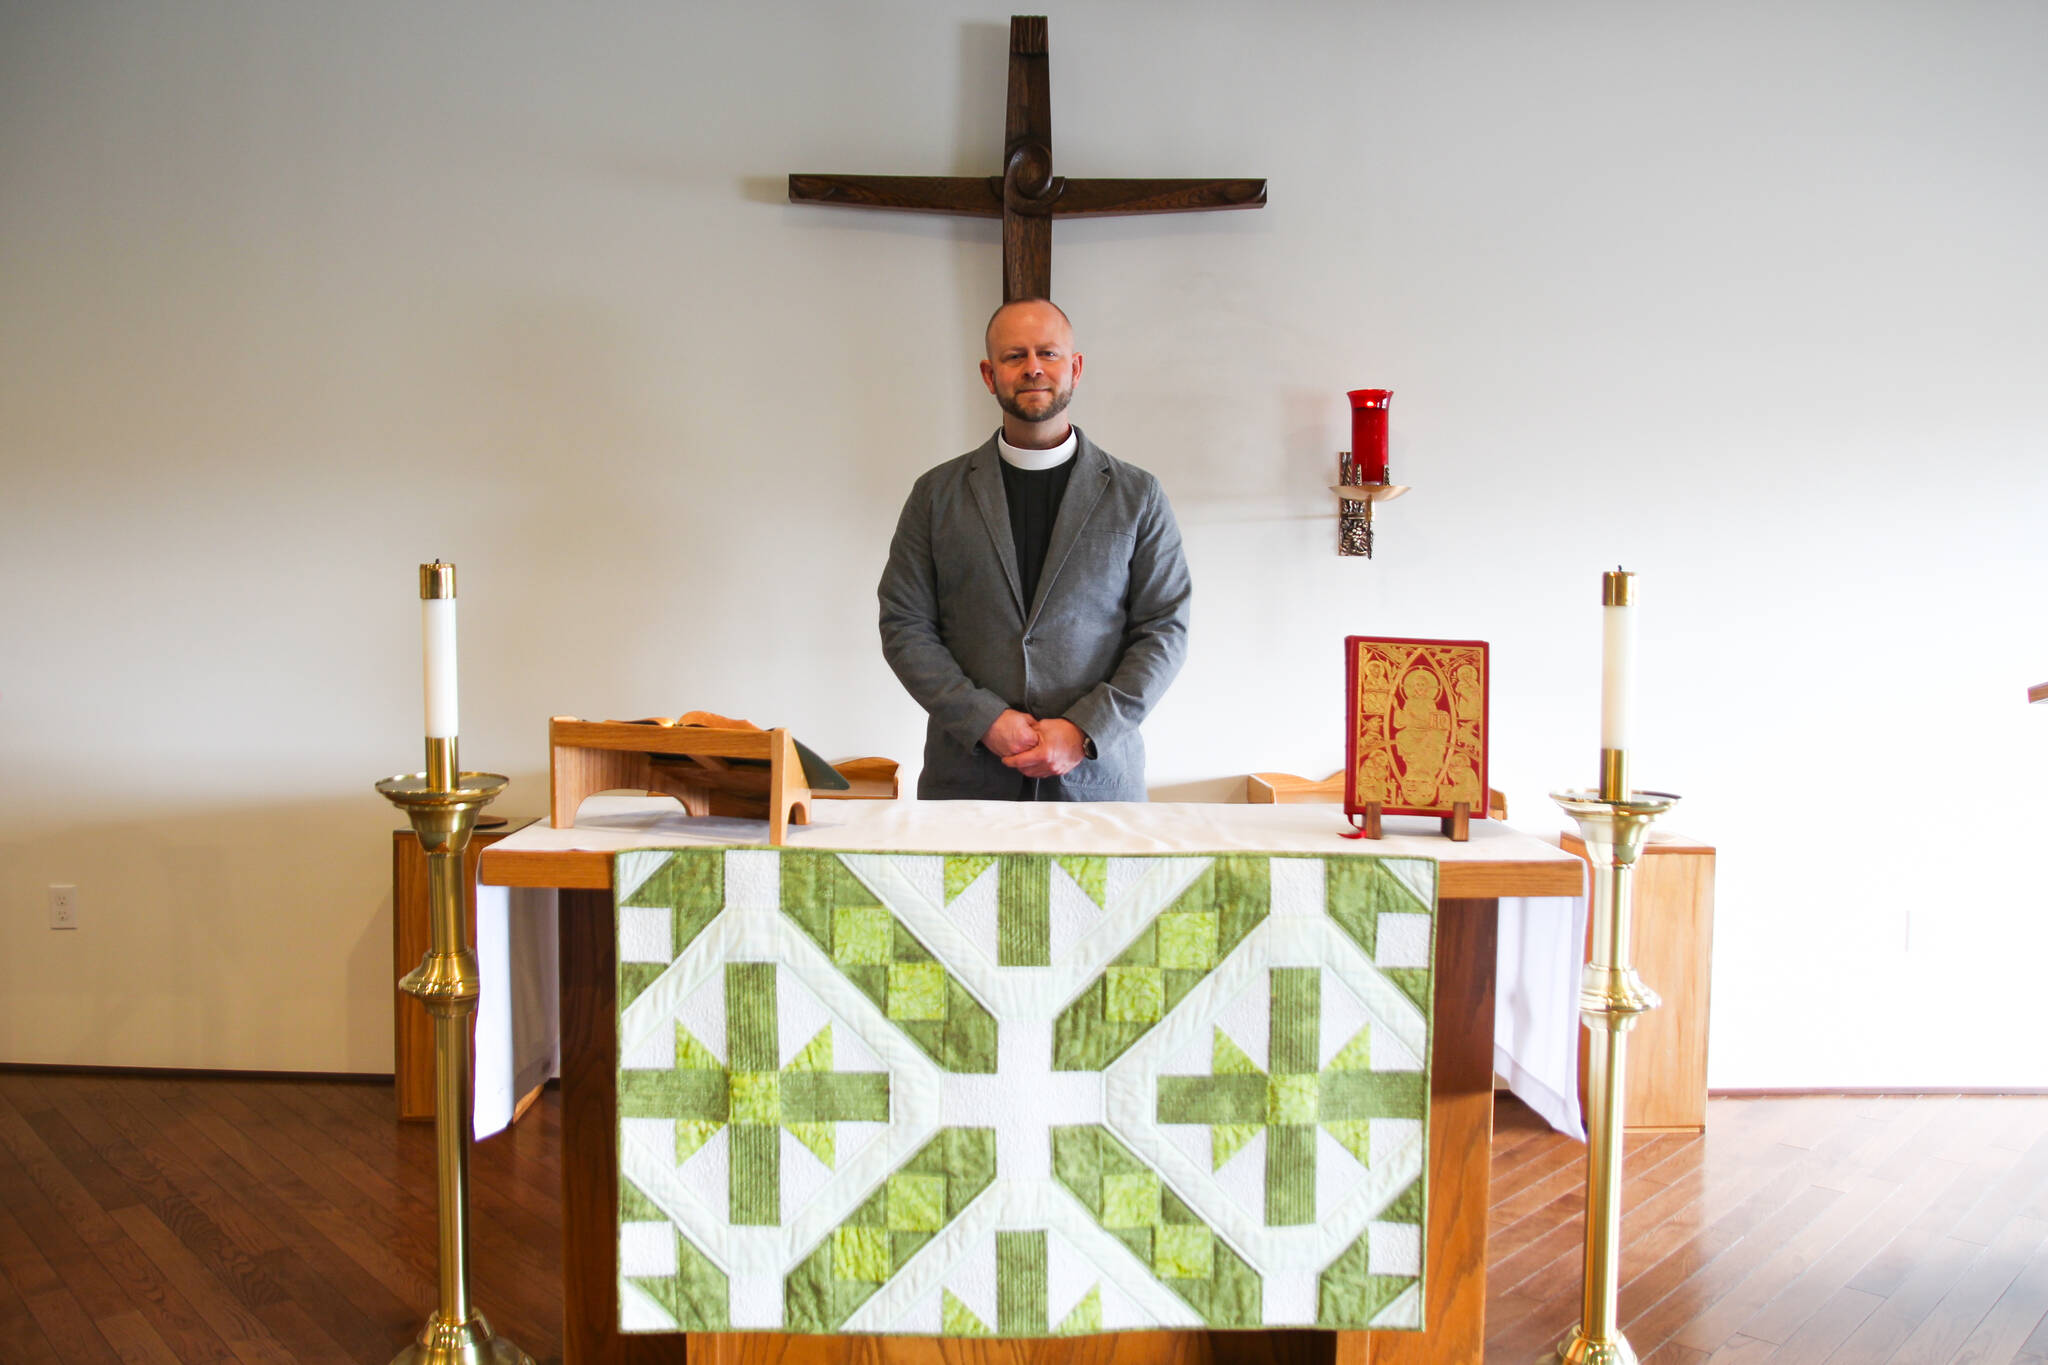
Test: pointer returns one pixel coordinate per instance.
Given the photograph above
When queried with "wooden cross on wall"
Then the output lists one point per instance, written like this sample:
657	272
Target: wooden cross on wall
1027	196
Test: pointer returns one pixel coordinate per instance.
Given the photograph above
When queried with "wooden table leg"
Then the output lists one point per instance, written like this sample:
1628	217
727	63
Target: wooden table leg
1460	1149
590	1144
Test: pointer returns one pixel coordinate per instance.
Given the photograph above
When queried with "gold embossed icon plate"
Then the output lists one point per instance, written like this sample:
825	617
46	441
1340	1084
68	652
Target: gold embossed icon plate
1415	725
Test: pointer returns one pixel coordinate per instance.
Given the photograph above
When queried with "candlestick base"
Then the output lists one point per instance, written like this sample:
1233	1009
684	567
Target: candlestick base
442	1342
1580	1349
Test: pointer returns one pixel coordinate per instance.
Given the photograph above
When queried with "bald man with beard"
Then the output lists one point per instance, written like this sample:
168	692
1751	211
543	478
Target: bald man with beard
1035	601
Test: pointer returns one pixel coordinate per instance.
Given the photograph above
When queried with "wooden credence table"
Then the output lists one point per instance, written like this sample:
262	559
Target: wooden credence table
1496	862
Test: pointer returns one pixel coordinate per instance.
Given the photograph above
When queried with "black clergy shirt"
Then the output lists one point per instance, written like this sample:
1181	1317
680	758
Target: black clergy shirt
1034	498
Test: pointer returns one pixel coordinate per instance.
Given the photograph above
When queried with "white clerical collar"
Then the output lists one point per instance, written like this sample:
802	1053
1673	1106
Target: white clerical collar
1021	458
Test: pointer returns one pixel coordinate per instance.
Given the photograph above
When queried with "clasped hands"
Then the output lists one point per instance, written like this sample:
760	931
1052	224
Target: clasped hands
1036	748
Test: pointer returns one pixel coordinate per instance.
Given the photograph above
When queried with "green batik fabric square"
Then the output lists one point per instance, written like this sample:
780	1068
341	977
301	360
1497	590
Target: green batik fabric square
861	1254
916	1203
862	935
917	990
1187	1252
756	1097
1130	1200
1136	995
1291	1099
1188	941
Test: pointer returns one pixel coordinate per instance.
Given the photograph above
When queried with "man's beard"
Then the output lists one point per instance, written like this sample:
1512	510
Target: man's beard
1060	399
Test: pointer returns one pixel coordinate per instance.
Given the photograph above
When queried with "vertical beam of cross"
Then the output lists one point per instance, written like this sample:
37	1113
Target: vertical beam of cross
1029	187
1027	196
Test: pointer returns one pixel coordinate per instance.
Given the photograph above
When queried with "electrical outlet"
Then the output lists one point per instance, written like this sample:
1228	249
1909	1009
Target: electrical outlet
63	907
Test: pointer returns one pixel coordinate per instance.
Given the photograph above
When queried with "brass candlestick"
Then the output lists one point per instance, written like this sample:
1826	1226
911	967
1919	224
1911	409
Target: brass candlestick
1611	999
442	804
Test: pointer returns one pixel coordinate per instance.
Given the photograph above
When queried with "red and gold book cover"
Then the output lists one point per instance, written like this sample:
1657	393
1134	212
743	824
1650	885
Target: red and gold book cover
1415	718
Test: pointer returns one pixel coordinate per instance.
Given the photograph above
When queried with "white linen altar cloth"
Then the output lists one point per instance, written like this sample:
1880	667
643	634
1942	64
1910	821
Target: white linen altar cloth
518	1006
1541	939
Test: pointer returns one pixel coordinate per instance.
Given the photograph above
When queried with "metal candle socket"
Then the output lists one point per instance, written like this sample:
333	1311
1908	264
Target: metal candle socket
442	804
1611	999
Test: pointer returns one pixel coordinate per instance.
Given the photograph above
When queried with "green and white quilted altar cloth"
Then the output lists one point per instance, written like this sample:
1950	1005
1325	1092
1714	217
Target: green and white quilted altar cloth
1021	1095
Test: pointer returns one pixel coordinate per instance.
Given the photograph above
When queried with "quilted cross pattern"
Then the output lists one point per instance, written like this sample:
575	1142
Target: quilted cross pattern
1021	1095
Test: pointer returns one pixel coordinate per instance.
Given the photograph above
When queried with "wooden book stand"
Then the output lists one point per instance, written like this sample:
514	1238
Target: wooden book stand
745	773
1286	788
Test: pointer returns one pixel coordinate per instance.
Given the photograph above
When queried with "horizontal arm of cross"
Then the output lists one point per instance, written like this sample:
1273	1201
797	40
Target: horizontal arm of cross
1107	198
974	196
982	196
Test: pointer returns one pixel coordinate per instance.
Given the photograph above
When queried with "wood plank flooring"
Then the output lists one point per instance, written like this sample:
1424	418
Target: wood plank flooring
155	1219
1849	1230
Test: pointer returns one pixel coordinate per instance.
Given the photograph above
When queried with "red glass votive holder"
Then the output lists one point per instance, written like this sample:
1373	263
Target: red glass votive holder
1369	432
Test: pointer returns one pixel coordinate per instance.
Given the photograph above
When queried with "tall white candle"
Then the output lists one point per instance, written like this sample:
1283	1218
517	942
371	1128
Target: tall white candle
437	639
1617	657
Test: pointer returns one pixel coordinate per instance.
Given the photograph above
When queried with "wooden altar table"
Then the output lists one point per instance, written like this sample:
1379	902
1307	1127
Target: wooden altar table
1497	862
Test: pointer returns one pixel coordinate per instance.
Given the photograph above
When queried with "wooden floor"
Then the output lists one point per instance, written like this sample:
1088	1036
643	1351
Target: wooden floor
179	1220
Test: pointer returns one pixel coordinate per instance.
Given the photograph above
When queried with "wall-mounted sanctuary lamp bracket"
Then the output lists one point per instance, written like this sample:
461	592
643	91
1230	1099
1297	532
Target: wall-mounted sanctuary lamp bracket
1362	478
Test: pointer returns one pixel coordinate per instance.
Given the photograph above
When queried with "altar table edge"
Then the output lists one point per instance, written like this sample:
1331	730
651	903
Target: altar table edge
1496	862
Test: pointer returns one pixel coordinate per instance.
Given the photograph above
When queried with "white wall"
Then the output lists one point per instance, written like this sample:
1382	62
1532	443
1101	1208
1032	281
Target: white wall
293	297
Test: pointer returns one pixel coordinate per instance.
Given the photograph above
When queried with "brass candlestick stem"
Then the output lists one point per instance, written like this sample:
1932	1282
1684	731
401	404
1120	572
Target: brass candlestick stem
442	804
1611	999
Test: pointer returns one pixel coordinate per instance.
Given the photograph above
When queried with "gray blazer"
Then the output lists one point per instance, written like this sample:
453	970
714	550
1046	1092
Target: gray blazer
1105	636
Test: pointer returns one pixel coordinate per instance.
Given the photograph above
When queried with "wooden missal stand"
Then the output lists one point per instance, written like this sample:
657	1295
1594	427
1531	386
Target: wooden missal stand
1457	826
735	771
1285	788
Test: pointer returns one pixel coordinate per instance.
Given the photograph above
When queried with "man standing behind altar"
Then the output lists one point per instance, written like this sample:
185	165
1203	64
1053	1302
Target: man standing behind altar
1036	598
